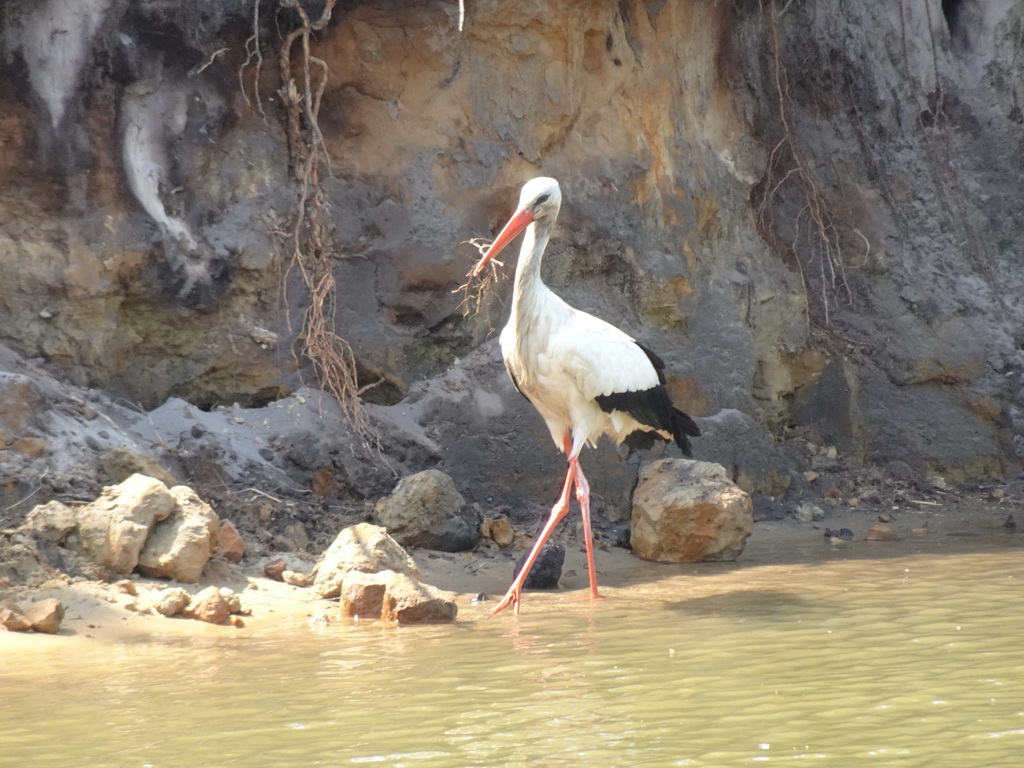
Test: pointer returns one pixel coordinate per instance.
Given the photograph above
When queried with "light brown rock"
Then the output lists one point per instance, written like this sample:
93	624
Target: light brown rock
499	530
363	547
408	601
881	532
233	599
121	463
170	601
114	528
52	521
12	618
45	615
229	542
210	606
688	511
362	594
179	547
274	569
295	578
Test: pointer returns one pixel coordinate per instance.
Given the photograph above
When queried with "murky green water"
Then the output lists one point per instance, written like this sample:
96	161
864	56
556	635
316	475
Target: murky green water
908	661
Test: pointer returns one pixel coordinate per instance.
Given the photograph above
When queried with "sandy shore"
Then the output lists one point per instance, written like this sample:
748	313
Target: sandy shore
100	612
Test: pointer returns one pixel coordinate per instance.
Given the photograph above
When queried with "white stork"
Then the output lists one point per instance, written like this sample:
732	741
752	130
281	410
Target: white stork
585	377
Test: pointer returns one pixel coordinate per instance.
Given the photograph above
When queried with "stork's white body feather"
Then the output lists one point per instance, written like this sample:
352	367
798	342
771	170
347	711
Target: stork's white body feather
562	359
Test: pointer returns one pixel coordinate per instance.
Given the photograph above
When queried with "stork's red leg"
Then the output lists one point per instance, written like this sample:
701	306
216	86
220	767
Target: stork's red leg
561	508
583	497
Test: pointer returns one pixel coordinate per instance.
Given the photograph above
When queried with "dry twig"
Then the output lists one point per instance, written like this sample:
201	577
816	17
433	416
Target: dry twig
828	253
331	355
478	281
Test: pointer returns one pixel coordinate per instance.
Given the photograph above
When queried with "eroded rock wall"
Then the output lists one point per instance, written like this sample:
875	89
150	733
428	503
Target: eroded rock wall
905	116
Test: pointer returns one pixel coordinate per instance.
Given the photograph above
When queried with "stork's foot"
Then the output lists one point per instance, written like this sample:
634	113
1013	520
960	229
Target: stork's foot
592	596
513	597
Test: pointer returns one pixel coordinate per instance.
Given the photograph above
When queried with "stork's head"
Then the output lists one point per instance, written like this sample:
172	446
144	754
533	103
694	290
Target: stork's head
539	201
540	197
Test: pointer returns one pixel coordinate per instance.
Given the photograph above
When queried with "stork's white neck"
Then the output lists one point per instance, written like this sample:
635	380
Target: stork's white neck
532	301
535	240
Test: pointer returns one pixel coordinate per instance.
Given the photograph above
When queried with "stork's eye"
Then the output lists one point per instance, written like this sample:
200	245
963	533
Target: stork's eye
542	199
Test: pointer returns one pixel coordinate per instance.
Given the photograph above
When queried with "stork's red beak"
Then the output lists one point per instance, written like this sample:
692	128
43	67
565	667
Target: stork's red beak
519	221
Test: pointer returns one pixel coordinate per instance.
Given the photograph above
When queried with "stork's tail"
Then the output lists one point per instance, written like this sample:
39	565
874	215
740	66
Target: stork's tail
683	425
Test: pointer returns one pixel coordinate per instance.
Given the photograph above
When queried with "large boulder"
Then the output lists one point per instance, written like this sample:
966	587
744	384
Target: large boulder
179	547
426	510
364	547
113	529
688	511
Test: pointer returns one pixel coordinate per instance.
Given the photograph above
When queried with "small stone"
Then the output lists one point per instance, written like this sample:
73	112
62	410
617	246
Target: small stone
236	622
362	594
275	569
883	518
296	534
808	512
122	463
811	476
170	601
233	600
830	452
126	587
499	530
408	601
12	618
45	615
546	571
51	522
229	542
209	606
264	338
881	533
853	502
295	578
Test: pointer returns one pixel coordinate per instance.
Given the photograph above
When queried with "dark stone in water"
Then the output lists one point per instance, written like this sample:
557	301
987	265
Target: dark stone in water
546	571
843	533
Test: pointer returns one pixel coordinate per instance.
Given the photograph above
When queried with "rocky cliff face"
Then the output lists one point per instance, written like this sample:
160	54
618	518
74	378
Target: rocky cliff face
811	212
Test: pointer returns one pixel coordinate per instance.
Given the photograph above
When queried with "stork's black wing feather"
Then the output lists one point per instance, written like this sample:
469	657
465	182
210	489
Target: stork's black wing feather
654	407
